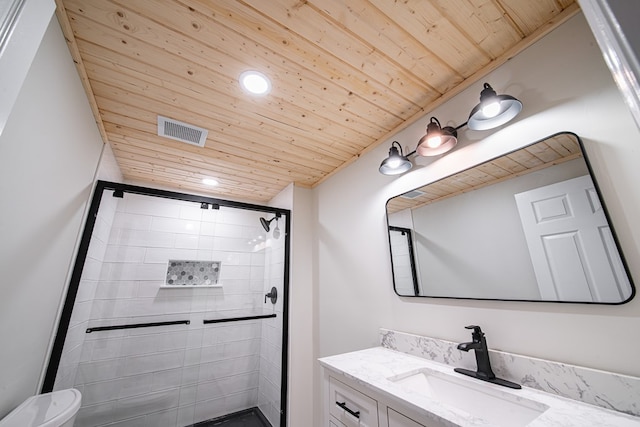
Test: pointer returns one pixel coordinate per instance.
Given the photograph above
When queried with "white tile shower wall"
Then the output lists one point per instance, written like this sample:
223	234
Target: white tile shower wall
74	340
269	395
178	374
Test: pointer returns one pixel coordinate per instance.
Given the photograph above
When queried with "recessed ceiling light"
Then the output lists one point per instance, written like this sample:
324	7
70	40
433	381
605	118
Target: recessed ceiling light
255	83
210	181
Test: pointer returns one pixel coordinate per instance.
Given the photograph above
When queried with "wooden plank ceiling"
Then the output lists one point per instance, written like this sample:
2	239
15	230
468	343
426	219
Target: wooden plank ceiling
346	75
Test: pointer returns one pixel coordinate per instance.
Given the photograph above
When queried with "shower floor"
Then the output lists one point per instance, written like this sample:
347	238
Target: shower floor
248	418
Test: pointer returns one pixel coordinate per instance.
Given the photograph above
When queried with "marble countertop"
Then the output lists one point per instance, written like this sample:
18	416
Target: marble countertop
372	369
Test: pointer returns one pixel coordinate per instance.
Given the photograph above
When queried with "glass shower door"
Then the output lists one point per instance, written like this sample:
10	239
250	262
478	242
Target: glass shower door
171	323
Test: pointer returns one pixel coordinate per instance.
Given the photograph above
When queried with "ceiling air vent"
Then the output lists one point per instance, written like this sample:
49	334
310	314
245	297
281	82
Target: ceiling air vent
181	131
412	194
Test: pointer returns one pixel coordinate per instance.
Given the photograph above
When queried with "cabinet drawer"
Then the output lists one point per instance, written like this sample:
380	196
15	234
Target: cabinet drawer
335	423
351	407
396	419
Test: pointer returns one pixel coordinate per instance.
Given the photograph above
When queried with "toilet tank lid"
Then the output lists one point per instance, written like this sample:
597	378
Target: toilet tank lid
45	410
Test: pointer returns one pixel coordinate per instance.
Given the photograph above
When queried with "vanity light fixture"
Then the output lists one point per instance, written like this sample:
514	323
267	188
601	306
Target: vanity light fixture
438	140
396	163
493	110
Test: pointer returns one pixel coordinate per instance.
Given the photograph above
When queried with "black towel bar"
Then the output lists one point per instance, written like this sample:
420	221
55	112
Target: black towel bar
137	325
235	319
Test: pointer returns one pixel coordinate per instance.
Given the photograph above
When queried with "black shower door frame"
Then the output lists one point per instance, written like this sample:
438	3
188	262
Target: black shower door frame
74	283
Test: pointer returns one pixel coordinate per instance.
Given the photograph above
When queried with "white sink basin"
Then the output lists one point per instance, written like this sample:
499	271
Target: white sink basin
473	397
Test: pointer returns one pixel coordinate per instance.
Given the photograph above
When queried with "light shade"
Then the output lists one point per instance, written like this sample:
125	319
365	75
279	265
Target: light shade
437	140
396	163
493	110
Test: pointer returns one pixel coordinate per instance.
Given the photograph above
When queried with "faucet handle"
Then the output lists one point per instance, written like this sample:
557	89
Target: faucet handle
477	332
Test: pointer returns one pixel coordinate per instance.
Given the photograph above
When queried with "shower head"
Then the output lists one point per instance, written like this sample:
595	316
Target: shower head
265	223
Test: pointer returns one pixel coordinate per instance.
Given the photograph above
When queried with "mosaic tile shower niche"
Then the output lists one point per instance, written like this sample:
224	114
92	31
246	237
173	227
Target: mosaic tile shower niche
193	273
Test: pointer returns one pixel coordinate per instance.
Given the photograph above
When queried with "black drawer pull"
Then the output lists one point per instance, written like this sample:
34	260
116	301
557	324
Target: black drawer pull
343	405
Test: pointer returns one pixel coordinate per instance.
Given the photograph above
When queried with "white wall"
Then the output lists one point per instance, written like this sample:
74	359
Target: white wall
50	148
18	46
564	85
108	170
302	349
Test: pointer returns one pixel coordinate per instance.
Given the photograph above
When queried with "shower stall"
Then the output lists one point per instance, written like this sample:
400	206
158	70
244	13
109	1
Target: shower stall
176	313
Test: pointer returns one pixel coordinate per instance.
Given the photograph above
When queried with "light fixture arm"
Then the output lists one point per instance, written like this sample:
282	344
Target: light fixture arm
396	143
487	92
457	128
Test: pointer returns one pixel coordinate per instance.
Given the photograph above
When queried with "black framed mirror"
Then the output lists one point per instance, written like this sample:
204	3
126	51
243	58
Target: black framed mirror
529	225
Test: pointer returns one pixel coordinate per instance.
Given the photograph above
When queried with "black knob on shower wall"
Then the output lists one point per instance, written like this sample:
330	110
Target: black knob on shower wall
273	295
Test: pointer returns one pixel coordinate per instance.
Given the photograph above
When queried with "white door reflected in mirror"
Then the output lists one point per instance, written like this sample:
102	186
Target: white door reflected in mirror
572	250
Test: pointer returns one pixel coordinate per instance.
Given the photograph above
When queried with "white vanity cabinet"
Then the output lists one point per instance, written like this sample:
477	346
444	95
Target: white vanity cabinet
350	407
348	404
396	419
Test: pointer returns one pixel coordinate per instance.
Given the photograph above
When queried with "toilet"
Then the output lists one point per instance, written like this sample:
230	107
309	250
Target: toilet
56	409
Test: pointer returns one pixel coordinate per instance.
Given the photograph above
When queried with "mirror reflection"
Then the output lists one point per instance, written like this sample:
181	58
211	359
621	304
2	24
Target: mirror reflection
528	226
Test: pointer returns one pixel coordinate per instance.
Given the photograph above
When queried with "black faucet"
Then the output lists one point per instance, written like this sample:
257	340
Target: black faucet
484	372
